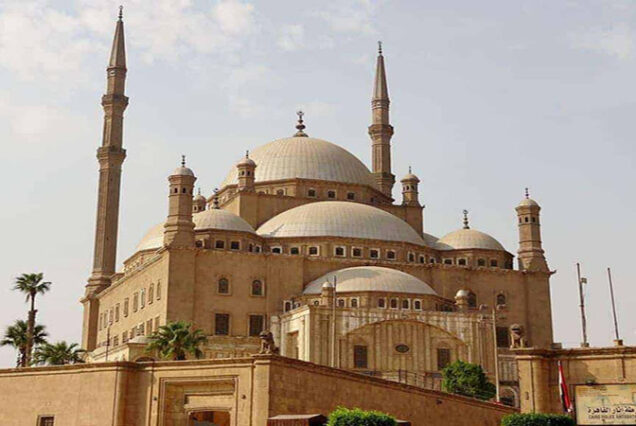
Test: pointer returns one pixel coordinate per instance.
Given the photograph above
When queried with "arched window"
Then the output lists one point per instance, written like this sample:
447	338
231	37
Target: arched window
158	290
472	300
142	299
223	286
394	303
405	304
381	303
257	288
288	306
280	192
341	303
354	303
151	293
417	305
501	299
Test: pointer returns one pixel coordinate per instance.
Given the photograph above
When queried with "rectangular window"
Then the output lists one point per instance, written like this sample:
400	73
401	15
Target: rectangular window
311	193
156	323
503	337
124	337
135	302
221	324
149	326
448	261
223	286
331	194
116	341
373	254
390	254
111	316
143	298
313	251
257	324
158	290
235	245
141	329
356	252
493	263
443	358
219	244
351	195
461	262
117	312
481	262
126	307
277	250
46	421
360	359
339	251
294	250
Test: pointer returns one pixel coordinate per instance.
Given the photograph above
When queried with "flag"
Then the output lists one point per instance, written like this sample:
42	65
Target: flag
563	391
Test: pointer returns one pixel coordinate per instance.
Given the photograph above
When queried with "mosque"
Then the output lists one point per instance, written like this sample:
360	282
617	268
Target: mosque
305	241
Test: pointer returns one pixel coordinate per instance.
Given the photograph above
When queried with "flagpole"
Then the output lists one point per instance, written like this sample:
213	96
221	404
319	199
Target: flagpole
584	344
618	341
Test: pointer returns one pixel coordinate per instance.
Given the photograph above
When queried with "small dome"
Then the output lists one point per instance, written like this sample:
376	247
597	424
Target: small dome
528	202
468	239
327	285
199	197
305	158
182	171
462	294
371	278
246	161
410	177
208	219
340	219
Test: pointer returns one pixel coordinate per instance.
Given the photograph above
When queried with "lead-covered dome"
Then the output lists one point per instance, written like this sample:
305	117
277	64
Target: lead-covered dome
340	219
208	219
306	158
371	278
465	239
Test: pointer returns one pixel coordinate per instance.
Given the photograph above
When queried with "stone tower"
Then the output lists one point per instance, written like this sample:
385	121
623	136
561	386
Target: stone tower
410	192
246	168
199	202
110	156
179	228
530	252
381	130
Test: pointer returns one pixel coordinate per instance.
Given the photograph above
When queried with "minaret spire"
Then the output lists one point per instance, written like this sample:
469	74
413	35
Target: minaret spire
381	130
110	156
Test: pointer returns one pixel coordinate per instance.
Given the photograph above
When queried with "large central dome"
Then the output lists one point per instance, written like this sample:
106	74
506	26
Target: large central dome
306	158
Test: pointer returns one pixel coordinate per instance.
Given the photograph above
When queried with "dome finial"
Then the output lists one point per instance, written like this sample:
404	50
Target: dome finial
183	163
199	190
527	193
410	171
121	12
300	126
247	153
215	199
466	219
380	48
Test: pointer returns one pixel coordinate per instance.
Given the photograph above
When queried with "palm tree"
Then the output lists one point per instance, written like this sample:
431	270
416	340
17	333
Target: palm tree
175	340
59	353
16	336
31	285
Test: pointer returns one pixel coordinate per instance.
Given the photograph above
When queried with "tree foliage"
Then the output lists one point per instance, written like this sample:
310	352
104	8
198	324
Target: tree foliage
176	340
342	416
59	353
464	378
15	336
531	419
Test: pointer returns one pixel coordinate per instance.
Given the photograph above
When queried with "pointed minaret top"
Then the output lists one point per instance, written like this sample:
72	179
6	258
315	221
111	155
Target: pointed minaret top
118	51
380	89
466	219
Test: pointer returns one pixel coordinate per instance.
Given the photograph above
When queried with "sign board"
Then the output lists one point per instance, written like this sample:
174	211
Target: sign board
605	404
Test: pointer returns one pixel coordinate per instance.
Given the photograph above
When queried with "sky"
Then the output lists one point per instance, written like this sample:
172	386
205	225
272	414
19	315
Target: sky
487	98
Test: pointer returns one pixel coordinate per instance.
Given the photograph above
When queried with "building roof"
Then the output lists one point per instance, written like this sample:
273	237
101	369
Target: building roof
468	239
208	219
307	158
340	219
371	278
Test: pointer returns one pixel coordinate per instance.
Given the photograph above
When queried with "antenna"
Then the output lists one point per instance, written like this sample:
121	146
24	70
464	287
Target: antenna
617	341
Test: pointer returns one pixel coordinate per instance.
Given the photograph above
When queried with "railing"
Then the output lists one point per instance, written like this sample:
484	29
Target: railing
426	380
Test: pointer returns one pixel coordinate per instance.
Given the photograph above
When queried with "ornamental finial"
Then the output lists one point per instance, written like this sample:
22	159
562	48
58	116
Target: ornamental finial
527	193
215	199
121	12
466	219
183	163
247	153
410	171
300	126
379	48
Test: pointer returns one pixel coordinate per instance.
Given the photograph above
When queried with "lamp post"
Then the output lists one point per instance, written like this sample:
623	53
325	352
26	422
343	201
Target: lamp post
495	346
582	281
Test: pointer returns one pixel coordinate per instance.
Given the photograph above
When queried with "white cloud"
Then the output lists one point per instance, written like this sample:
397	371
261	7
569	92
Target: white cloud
291	37
235	17
350	16
617	40
318	108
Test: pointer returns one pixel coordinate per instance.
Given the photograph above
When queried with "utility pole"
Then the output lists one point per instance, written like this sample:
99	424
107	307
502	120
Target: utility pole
617	341
582	281
496	348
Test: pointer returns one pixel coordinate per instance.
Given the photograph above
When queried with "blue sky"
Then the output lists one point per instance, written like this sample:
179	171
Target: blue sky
487	98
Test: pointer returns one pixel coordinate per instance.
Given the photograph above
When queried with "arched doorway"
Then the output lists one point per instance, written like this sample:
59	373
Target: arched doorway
209	418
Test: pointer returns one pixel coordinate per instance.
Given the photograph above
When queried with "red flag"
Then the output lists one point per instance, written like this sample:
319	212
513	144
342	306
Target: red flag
563	391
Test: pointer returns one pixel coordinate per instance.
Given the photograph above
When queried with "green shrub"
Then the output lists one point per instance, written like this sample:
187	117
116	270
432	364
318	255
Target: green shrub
356	417
537	420
464	378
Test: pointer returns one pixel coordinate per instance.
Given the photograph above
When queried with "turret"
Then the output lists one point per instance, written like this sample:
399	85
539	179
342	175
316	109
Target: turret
246	168
327	294
410	193
381	130
179	228
199	202
531	255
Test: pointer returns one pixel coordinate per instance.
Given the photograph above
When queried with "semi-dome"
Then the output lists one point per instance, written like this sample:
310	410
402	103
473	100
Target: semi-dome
208	219
370	278
468	239
340	219
307	158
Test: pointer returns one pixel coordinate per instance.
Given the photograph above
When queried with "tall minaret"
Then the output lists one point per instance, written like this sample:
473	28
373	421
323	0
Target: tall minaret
110	156
530	252
381	130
